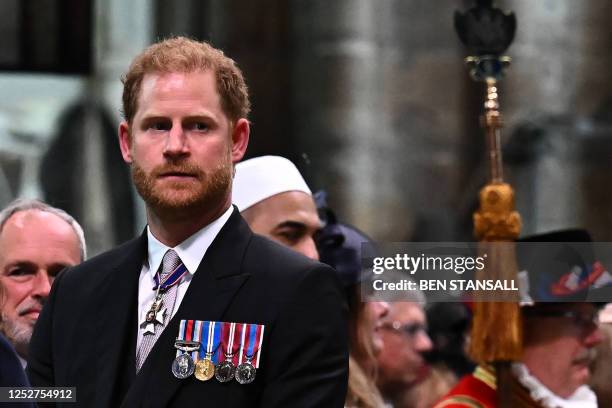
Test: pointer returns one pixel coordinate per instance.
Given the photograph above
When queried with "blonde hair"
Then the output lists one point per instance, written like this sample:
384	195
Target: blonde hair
185	55
362	390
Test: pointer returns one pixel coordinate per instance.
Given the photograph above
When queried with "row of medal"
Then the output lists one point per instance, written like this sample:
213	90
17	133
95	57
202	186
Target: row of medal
222	350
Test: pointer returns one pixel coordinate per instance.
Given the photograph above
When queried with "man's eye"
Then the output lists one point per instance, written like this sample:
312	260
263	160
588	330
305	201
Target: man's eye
291	236
199	126
159	126
19	272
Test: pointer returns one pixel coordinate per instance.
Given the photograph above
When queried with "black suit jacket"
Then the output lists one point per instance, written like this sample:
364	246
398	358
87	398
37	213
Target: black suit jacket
86	333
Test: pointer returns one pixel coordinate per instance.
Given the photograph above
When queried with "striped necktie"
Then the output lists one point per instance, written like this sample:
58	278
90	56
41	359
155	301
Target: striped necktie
170	263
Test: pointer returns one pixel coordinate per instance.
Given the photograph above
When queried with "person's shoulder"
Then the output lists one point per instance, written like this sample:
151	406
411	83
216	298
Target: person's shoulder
6	349
273	254
470	391
100	265
263	245
269	258
11	371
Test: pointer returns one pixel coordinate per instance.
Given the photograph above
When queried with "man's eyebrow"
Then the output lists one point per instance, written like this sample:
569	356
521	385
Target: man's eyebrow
19	263
30	264
291	224
194	116
154	116
60	265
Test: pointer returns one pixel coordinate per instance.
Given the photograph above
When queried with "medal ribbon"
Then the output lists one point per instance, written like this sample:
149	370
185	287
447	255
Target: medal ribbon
207	341
252	336
172	278
259	341
215	342
238	340
224	339
189	330
205	331
245	329
228	336
181	335
224	334
186	332
230	342
197	335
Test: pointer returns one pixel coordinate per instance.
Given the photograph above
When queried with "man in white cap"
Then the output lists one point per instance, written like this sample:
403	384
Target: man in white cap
274	199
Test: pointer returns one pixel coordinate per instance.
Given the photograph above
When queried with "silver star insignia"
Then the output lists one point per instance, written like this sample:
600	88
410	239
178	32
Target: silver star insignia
149	327
160	315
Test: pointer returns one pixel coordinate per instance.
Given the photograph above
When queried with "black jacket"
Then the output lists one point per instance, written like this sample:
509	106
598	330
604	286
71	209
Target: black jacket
86	334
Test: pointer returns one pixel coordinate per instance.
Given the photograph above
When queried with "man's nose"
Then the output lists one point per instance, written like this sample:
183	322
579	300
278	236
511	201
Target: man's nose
41	286
176	141
309	248
381	309
423	342
595	337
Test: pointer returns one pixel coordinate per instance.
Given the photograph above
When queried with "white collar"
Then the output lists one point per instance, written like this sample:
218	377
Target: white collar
192	250
584	397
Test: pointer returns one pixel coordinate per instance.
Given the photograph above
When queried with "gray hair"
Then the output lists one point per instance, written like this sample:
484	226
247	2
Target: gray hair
23	204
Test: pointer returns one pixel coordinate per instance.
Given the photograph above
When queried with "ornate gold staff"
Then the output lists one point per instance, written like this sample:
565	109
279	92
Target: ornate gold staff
496	336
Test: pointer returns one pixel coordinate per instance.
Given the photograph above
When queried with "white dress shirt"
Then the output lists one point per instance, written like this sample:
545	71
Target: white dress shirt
191	251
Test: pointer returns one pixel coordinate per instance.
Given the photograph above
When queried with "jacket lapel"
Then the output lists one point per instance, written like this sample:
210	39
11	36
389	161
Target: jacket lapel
210	293
115	351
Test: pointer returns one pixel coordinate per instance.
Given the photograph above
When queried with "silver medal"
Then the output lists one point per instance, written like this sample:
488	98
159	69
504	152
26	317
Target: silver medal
183	366
245	373
224	371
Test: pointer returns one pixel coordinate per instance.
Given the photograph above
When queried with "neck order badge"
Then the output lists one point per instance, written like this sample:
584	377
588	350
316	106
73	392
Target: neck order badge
157	313
224	350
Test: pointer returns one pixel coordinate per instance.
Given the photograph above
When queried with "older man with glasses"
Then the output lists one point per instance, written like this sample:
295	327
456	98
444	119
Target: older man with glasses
560	329
401	363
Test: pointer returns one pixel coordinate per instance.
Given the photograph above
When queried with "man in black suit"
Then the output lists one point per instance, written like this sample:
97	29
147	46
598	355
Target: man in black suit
110	324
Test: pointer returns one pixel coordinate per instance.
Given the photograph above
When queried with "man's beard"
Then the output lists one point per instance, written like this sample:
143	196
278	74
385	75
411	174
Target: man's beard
183	200
19	333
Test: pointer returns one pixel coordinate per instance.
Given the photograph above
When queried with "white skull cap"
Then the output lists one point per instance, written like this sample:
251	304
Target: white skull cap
263	177
605	314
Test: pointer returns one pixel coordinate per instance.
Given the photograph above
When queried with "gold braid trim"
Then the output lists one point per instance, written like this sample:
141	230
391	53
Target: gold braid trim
486	374
464	400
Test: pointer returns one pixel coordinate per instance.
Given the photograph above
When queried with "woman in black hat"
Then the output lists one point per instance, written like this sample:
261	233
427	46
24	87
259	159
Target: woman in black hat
339	245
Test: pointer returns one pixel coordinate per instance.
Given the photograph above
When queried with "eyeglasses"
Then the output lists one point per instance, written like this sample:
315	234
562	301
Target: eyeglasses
585	321
409	330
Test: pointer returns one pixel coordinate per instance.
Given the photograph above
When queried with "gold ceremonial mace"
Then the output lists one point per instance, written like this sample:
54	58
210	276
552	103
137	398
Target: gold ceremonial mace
496	336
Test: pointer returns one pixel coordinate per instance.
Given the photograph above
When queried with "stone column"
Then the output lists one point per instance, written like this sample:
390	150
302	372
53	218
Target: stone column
338	109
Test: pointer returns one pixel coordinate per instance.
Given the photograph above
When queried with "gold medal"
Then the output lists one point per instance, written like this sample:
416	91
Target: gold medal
204	369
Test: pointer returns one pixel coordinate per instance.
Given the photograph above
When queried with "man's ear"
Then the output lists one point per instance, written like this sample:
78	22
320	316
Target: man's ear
125	142
240	139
